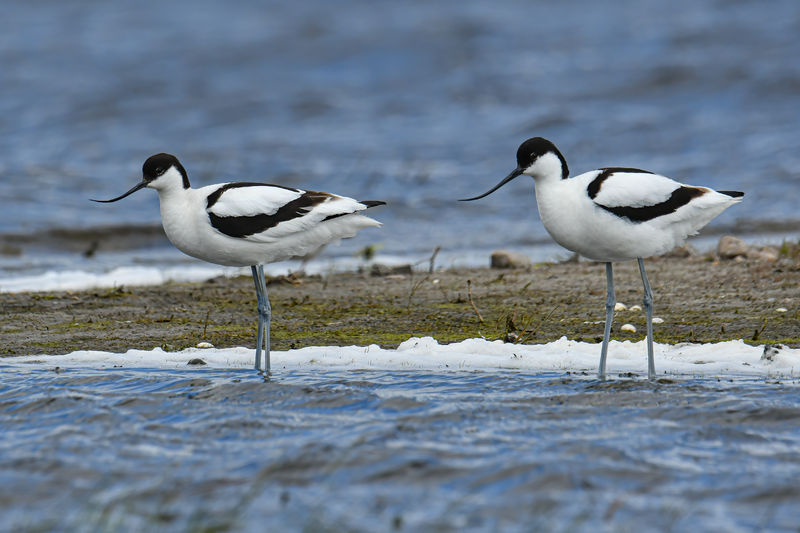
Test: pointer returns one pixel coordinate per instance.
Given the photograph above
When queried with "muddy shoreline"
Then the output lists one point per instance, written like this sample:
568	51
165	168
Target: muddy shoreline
700	299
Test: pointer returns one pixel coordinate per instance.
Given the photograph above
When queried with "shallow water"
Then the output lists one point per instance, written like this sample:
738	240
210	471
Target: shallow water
415	103
199	449
418	104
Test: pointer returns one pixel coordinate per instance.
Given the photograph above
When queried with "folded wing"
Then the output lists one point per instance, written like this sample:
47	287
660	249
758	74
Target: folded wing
263	213
639	195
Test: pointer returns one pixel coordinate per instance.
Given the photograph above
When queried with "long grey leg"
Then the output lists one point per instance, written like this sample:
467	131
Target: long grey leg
264	317
611	301
648	309
267	312
260	335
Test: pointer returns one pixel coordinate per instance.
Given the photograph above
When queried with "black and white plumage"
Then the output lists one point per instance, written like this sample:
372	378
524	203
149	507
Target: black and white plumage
248	224
615	214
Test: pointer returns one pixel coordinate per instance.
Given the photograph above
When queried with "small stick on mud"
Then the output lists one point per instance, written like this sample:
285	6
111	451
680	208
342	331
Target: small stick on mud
418	284
414	287
471	302
758	332
527	334
433	259
205	324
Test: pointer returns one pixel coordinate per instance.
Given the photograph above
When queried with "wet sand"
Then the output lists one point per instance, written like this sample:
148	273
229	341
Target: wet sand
699	300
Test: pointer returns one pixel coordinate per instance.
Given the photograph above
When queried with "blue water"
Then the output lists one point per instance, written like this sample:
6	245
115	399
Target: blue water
415	103
200	450
418	104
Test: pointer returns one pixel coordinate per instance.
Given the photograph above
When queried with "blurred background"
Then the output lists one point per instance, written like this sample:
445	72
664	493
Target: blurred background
416	103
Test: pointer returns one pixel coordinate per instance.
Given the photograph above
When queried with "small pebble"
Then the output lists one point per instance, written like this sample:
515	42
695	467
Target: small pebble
628	327
730	247
619	306
781	310
385	270
196	361
767	254
204	344
635	308
507	259
658	320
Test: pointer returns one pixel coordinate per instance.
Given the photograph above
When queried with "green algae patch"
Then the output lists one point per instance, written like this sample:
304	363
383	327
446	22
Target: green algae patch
698	301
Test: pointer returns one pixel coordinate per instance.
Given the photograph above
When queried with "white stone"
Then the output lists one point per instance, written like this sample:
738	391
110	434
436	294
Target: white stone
619	306
767	254
730	247
507	259
630	328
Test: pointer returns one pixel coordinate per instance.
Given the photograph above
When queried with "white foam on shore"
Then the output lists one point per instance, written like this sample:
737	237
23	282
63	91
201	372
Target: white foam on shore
75	280
190	271
718	359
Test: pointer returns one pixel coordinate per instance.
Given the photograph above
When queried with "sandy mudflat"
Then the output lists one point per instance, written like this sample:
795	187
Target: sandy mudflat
699	300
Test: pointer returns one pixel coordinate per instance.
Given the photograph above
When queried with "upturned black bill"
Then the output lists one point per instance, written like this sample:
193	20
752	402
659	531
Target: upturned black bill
516	172
135	188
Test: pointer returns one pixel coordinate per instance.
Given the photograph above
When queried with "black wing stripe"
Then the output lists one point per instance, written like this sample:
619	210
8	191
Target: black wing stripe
214	196
243	226
594	187
679	197
368	203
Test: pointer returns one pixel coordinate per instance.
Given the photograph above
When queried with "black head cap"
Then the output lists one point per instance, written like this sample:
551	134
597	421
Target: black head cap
535	147
157	164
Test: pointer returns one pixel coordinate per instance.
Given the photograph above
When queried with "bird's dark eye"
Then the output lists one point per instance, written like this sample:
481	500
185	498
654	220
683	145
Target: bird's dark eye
159	170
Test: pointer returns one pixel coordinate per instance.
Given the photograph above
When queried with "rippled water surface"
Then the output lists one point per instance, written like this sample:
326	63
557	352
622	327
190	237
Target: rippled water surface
416	103
88	450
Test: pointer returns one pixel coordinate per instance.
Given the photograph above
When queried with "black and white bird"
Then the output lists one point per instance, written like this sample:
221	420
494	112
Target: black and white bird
248	224
615	214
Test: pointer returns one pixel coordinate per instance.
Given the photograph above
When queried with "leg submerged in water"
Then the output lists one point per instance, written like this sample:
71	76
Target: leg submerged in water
611	300
264	318
647	302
